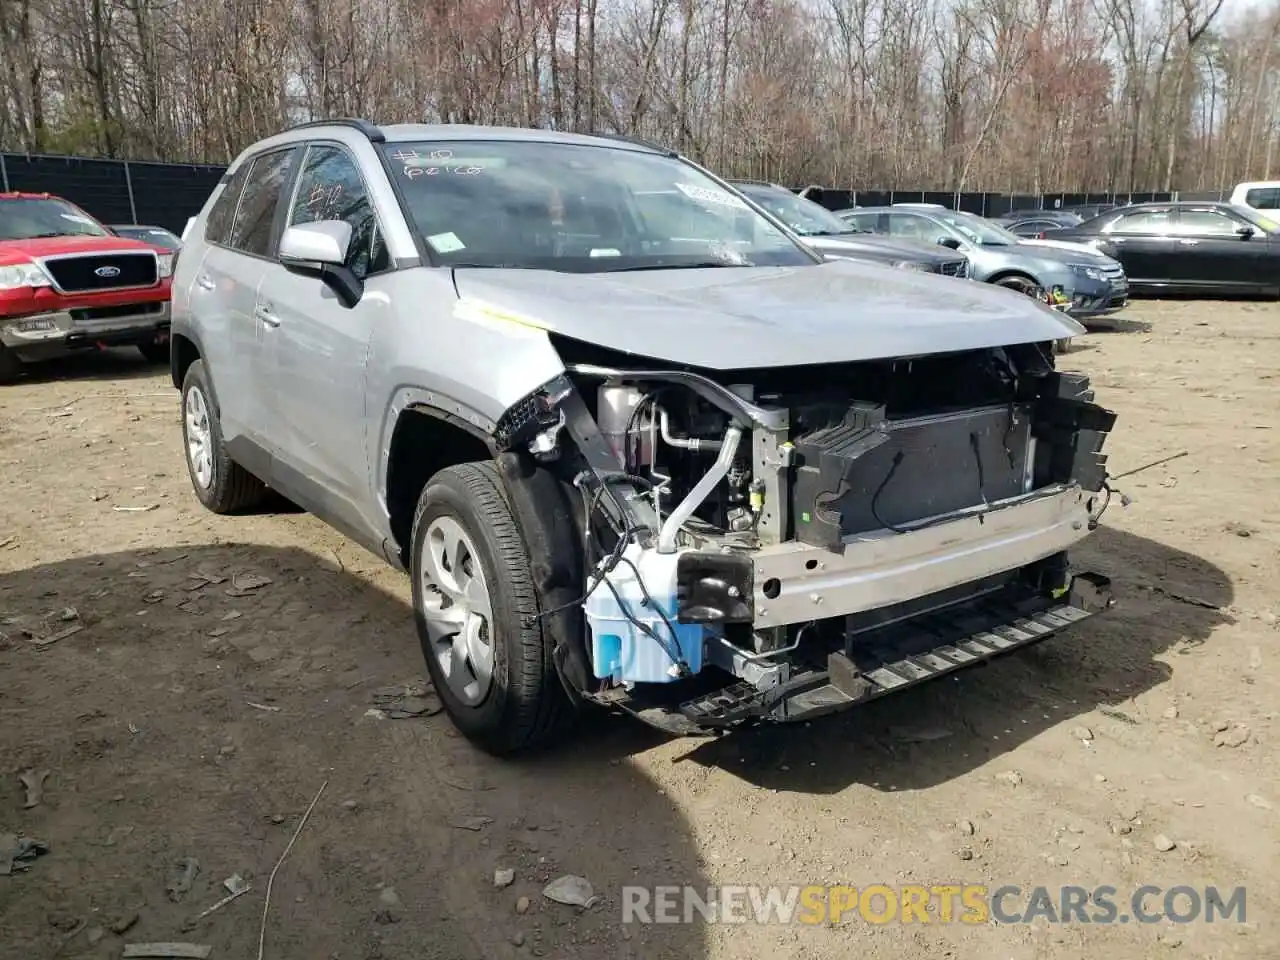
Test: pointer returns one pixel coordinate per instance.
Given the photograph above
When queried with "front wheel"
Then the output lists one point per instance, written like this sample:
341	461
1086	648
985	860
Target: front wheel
476	609
1021	284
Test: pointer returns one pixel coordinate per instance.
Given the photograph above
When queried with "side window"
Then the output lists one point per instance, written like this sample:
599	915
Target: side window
330	188
908	226
218	224
1263	198
1208	223
1144	221
255	216
865	222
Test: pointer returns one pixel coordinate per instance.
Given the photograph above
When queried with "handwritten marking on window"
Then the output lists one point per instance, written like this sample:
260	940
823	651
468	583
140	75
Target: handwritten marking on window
323	200
462	170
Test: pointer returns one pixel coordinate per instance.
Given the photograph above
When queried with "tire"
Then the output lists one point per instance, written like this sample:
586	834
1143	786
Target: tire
220	483
523	706
155	352
10	365
1020	283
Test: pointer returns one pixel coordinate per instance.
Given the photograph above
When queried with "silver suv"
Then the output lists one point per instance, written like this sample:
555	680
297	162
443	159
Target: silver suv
637	445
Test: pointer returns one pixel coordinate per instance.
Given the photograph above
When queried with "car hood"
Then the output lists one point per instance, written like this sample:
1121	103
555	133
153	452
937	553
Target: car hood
22	251
740	317
1057	250
1074	246
880	247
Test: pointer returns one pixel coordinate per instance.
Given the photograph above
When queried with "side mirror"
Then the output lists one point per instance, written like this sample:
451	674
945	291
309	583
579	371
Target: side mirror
949	242
320	250
1245	232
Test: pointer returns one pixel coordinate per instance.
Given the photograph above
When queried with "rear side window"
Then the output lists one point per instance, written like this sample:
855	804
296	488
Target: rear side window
863	221
908	226
1144	221
251	231
1263	198
218	226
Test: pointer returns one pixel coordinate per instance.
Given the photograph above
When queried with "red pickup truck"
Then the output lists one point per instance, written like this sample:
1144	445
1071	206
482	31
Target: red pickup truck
68	283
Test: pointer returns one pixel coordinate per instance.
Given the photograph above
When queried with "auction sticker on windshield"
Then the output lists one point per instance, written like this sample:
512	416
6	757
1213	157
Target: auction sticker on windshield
704	195
445	243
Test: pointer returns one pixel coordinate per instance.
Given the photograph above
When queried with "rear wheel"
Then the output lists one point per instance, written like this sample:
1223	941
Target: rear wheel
220	483
10	365
476	610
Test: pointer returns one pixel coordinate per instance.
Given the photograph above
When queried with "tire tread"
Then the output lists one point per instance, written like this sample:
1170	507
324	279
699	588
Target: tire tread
540	709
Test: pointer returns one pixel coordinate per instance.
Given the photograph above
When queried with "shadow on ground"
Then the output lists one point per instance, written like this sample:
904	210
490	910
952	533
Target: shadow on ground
195	714
1167	602
116	363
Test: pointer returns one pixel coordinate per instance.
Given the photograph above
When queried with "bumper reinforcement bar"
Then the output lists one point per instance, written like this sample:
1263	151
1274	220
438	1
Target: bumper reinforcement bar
850	679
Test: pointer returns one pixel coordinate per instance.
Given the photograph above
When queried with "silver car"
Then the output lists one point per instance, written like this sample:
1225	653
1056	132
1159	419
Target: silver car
636	444
1086	283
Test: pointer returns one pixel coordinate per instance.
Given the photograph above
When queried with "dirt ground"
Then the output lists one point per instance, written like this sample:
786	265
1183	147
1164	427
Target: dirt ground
195	717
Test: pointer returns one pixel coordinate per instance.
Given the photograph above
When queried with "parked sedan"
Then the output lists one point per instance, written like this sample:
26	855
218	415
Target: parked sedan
1188	246
1088	284
835	239
1032	223
158	236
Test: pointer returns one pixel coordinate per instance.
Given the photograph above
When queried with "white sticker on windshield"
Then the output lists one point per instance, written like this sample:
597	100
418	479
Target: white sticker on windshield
705	195
605	252
445	243
76	219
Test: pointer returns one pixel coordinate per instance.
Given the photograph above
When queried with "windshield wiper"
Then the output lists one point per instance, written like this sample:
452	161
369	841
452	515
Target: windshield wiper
698	265
47	236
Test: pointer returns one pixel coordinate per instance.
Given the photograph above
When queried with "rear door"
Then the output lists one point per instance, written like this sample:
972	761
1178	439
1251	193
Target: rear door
221	299
1211	252
1143	241
234	269
316	348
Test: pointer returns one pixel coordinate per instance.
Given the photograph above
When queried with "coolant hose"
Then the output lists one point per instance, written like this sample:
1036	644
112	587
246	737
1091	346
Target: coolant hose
684	510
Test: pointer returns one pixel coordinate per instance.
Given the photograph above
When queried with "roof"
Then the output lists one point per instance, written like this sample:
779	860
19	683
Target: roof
417	132
20	195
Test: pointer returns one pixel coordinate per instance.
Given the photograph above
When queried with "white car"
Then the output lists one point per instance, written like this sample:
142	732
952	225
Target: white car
1261	195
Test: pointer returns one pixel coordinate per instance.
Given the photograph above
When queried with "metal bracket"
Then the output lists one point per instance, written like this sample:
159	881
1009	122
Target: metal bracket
770	460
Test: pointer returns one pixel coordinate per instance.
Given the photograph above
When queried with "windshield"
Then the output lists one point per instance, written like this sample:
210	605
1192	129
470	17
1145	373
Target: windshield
577	208
26	218
153	235
803	216
977	229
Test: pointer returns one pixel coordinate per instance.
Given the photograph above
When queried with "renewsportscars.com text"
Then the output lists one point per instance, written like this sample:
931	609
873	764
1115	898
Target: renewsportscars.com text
938	903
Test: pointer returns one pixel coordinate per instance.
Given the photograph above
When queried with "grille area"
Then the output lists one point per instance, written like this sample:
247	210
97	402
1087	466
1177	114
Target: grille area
114	313
955	268
85	273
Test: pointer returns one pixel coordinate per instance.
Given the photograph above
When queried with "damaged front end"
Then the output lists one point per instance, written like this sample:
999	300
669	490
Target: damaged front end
723	547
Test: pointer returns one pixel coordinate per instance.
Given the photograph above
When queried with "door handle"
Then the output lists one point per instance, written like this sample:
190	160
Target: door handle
205	282
1188	243
264	313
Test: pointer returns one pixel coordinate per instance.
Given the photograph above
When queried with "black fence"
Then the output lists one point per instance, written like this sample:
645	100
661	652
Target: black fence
166	194
116	191
990	204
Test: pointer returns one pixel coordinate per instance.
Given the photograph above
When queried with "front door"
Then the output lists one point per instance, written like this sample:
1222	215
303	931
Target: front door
1211	253
1144	243
317	349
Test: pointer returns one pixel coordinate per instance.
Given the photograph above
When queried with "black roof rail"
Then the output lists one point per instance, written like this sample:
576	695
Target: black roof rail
364	126
637	141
